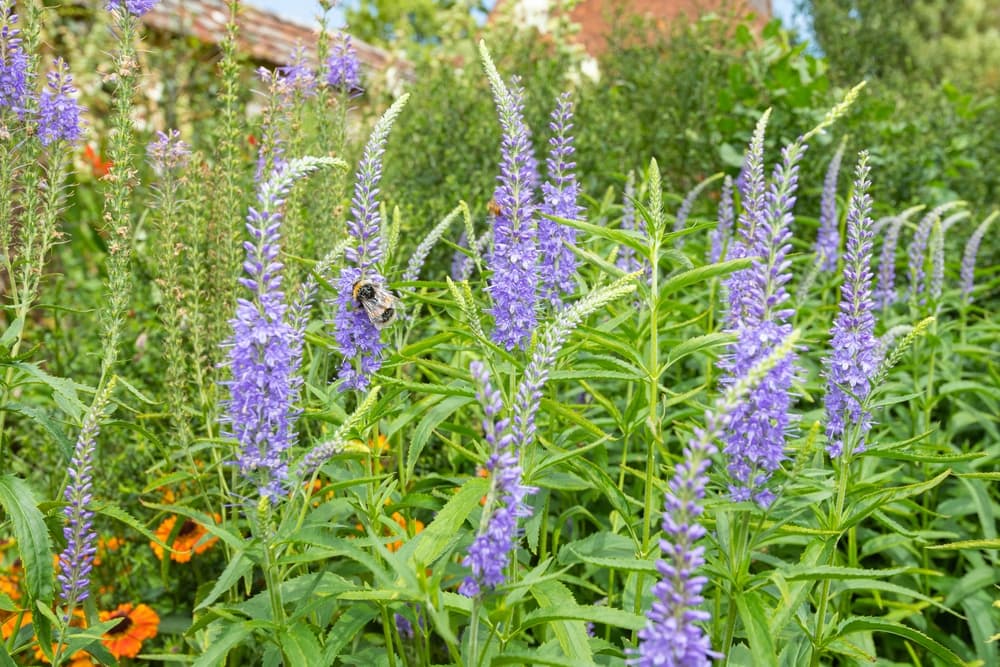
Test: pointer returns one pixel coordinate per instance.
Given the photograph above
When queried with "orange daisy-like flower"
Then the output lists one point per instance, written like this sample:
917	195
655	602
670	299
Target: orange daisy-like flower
191	539
418	527
135	626
10	580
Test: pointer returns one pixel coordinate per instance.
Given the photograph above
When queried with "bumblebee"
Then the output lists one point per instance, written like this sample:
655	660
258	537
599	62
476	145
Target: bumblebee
381	305
494	208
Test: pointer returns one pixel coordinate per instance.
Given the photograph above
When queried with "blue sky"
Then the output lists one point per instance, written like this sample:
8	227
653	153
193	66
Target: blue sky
305	10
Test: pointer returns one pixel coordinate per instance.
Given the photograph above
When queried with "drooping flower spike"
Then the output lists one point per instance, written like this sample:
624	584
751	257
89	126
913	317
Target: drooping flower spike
969	257
687	205
721	236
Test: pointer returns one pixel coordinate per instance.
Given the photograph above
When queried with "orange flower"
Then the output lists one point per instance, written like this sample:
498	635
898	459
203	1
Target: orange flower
104	546
189	540
15	623
10	580
98	166
418	527
135	626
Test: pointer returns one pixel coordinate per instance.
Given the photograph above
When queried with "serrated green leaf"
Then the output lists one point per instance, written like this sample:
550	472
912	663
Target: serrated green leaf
32	536
868	624
220	646
755	625
432	419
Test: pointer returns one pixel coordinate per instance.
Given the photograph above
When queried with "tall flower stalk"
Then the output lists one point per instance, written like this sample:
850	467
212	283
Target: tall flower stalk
827	245
560	196
122	177
264	350
359	341
855	357
918	249
687	205
514	260
674	633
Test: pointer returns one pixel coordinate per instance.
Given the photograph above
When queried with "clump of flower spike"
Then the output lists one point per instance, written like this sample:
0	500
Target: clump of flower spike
855	349
559	198
77	560
133	7
687	205
918	247
358	340
673	634
299	74
827	245
514	259
263	357
13	62
721	236
343	71
968	274
490	552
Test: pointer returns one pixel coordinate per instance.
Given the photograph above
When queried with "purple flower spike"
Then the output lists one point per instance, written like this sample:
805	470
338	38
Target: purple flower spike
490	551
855	356
721	236
885	293
359	340
77	560
755	440
559	198
752	198
168	152
918	247
969	258
626	260
828	238
299	74
514	260
343	71
133	7
58	110
13	63
265	349
687	204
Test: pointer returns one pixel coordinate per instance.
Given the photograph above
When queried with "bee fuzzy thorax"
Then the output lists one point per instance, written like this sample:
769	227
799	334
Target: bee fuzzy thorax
380	305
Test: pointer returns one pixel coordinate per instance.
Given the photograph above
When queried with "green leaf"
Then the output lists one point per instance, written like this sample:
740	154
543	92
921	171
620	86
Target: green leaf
32	535
447	524
755	625
700	274
432	419
239	566
605	615
223	644
12	333
64	391
572	634
299	645
869	624
42	419
351	622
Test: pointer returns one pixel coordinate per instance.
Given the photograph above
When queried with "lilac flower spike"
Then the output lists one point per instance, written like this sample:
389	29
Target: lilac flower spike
828	238
168	152
918	247
721	240
755	439
855	355
77	560
263	356
299	75
969	257
673	635
687	204
752	198
885	293
343	71
490	551
133	7
514	260
559	198
58	110
626	260
13	62
359	340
